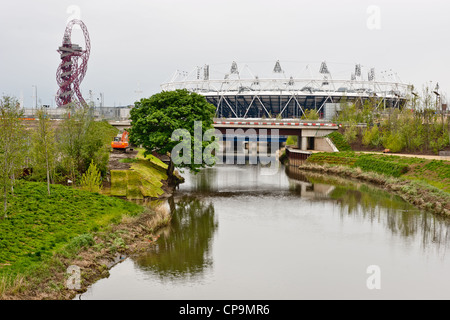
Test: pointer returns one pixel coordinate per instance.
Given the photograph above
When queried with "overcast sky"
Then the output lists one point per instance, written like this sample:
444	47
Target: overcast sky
137	44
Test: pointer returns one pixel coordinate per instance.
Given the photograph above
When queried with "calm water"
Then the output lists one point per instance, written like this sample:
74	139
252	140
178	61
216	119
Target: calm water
237	233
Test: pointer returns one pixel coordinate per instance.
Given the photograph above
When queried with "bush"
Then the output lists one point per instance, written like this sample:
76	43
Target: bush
372	137
310	114
81	241
394	142
351	132
92	180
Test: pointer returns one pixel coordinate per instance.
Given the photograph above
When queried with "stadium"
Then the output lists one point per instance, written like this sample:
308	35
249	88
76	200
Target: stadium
287	89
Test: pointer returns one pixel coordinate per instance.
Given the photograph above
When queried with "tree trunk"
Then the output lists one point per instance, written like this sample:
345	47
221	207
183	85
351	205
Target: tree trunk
170	176
48	179
48	169
5	201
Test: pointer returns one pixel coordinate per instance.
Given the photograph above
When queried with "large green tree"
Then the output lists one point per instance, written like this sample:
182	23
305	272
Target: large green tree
156	120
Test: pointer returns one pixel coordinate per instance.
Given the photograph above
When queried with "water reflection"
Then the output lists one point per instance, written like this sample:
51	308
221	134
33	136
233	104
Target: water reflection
292	235
183	249
370	203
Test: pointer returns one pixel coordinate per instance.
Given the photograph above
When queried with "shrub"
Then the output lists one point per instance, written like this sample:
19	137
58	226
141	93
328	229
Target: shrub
351	132
291	141
394	142
91	181
81	241
372	137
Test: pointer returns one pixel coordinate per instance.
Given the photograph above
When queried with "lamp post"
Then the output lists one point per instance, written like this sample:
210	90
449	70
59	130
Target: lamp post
436	92
36	99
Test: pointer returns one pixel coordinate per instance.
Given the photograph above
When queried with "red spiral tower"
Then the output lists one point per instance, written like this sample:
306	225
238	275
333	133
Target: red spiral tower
72	68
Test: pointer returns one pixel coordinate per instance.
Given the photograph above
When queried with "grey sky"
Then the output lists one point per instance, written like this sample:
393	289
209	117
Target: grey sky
136	41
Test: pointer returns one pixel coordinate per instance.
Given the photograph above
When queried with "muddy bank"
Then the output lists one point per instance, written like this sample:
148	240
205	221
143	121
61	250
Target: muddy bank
419	194
129	237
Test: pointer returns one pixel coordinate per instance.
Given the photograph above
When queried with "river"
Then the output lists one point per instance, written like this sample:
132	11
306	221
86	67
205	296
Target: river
238	232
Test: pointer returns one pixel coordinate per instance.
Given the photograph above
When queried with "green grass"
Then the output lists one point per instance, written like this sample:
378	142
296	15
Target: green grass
339	141
154	160
38	224
432	172
390	168
119	182
144	179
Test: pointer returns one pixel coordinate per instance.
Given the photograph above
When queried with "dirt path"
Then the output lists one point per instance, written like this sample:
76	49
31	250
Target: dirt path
116	156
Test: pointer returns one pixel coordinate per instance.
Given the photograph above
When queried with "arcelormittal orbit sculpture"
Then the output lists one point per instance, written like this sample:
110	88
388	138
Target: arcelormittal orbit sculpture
73	67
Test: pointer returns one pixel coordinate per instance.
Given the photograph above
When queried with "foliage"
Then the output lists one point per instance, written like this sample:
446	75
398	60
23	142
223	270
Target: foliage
81	140
155	119
310	114
339	141
351	132
38	223
372	137
291	140
12	146
91	180
393	141
433	172
44	150
415	127
98	144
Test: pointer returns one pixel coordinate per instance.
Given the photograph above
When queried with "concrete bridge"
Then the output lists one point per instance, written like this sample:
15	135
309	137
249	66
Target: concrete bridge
311	134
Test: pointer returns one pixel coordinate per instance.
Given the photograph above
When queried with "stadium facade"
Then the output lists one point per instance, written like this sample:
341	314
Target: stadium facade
239	92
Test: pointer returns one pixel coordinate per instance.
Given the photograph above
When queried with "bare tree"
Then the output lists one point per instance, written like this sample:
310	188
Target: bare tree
44	145
12	138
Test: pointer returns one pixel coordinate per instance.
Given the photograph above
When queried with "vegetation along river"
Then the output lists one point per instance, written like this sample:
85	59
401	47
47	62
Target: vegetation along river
237	233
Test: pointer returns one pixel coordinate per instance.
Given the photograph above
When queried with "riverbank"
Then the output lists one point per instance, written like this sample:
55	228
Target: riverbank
45	235
423	183
36	257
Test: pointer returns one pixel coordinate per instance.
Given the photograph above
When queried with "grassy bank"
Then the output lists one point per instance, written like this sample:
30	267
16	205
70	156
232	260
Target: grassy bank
145	177
422	182
43	235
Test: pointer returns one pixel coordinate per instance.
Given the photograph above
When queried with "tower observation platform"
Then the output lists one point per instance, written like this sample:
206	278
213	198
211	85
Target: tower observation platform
239	92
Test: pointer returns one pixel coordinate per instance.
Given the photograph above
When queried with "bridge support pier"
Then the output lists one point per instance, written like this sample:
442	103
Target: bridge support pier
302	143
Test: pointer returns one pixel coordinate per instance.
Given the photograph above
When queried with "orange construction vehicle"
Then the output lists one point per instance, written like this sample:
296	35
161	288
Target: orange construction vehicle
121	142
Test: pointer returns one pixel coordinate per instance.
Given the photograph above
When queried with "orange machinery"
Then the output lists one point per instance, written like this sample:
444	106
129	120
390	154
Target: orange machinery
120	142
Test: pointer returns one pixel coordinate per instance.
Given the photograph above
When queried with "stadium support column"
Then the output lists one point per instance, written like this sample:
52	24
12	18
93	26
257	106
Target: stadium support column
302	142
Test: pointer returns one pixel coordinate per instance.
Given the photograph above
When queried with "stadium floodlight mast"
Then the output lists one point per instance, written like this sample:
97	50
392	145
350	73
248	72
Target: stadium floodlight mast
248	94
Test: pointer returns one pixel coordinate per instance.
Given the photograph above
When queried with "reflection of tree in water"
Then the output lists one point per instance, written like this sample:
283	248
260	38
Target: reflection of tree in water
184	250
376	205
398	216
